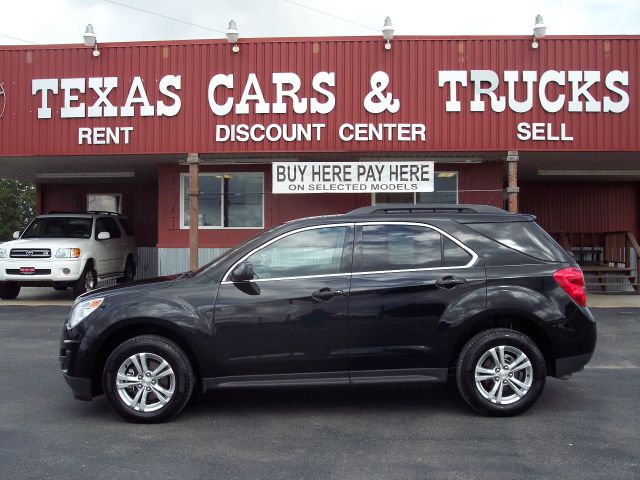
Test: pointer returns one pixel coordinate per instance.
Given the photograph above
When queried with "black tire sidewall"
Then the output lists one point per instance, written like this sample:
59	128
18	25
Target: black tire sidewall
9	290
475	348
170	352
79	285
128	277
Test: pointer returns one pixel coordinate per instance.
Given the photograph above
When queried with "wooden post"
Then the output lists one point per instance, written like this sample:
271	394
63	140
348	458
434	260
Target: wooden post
512	181
193	161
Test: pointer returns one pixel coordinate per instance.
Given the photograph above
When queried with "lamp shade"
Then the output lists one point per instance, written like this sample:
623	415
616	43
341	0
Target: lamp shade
387	30
232	32
539	29
89	37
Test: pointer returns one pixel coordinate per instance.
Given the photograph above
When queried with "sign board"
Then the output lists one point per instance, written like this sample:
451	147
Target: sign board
352	177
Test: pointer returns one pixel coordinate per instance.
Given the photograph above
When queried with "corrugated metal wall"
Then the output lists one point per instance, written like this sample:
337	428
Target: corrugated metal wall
582	207
412	63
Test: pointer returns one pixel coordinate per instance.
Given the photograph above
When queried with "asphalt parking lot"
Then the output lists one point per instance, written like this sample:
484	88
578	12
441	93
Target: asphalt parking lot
588	427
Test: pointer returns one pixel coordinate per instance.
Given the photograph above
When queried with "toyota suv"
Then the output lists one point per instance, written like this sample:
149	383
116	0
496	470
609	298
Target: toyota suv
63	250
385	294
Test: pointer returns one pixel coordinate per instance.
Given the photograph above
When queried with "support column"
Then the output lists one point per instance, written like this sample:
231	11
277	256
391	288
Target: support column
193	160
512	181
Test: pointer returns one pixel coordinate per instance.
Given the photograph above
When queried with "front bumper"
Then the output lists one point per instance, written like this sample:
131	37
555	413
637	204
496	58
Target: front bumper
53	270
81	387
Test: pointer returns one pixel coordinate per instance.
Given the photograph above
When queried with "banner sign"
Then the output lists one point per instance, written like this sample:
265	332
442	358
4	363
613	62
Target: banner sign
351	177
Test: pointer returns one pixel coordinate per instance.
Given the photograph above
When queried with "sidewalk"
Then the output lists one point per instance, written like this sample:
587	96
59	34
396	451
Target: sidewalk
598	300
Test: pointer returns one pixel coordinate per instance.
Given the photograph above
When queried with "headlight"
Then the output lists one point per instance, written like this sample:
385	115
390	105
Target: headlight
82	311
68	253
3	253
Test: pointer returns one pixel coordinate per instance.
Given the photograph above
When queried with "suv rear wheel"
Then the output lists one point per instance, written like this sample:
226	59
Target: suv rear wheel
148	379
500	372
129	272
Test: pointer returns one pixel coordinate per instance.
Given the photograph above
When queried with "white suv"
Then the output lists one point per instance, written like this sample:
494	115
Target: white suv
64	250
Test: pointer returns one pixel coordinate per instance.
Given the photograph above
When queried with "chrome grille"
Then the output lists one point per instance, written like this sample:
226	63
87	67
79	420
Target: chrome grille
30	253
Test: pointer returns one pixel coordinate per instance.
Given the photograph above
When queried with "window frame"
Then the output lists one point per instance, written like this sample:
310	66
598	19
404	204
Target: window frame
415	194
220	227
357	252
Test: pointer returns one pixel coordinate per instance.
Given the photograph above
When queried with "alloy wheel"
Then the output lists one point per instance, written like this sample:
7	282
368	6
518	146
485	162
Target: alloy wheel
503	374
145	382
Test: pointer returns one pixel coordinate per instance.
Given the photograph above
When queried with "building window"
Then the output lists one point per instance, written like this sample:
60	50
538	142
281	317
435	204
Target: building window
445	187
227	200
104	202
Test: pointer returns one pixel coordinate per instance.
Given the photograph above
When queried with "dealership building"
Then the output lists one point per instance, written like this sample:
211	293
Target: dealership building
245	137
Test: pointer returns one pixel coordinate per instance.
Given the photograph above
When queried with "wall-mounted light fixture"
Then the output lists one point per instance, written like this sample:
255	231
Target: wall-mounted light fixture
539	31
232	36
387	32
91	41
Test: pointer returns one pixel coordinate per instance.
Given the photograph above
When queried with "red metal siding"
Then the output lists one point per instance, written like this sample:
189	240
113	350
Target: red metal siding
582	207
412	64
480	183
139	203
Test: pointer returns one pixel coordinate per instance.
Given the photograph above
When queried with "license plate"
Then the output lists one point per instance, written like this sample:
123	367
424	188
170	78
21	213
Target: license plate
27	270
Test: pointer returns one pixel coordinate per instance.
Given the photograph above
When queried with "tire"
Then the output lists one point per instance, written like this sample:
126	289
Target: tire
502	391
129	272
9	290
87	281
141	402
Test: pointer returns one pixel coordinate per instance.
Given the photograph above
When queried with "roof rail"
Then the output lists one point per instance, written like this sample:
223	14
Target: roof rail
90	212
395	208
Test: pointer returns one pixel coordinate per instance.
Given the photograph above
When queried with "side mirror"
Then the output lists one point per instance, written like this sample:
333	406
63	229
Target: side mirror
16	234
104	236
242	273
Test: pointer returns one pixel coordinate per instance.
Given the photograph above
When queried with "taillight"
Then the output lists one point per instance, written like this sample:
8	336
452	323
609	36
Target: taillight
571	281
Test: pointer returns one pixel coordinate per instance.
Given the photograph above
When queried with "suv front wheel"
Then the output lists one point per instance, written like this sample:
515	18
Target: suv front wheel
500	372
148	379
88	281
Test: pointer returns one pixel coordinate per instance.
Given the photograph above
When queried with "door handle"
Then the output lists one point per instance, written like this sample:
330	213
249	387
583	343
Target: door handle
450	282
325	294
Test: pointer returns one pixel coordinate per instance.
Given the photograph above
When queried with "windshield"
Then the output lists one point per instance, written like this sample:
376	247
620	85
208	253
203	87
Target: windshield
59	227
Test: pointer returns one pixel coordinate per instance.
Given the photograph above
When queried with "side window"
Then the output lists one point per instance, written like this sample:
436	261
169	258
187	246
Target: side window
454	255
309	252
126	226
400	247
107	224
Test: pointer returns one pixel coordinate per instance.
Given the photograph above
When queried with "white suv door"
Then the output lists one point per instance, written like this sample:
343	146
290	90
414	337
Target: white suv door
109	252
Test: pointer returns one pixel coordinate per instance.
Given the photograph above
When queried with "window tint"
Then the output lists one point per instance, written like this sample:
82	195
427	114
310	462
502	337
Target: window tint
525	237
107	225
126	226
310	252
400	247
454	254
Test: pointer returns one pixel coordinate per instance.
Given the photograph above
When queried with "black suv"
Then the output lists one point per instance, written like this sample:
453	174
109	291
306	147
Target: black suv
382	294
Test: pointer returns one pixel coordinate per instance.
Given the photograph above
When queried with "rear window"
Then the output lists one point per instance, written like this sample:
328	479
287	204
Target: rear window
525	237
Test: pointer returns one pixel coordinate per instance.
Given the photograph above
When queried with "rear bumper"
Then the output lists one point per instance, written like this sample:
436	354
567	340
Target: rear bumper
81	387
565	366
